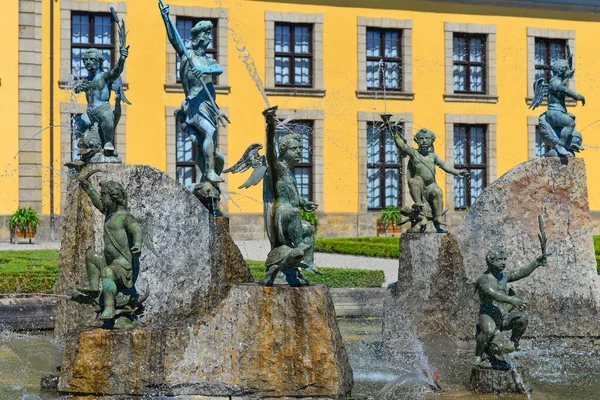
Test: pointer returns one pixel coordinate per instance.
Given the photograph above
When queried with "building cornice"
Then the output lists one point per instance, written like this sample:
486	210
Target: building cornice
586	6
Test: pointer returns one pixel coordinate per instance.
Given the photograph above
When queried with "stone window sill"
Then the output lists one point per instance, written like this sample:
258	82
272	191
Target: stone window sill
295	91
65	85
176	88
378	94
470	98
568	102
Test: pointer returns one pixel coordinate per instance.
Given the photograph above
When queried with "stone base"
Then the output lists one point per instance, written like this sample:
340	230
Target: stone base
259	342
487	380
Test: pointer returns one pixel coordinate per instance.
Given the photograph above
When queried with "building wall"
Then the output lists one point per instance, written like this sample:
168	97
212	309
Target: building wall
339	95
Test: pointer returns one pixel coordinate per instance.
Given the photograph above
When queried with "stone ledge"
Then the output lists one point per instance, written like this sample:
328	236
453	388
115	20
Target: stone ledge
65	85
176	88
379	94
568	101
295	91
470	98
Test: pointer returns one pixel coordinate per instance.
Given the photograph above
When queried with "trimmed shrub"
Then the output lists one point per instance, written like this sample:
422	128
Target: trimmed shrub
386	247
31	271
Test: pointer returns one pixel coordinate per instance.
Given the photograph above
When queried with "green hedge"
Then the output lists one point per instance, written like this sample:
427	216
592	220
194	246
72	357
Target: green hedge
332	277
28	271
387	247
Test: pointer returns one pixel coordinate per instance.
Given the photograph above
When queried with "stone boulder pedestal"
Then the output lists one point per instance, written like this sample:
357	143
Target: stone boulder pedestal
259	342
487	380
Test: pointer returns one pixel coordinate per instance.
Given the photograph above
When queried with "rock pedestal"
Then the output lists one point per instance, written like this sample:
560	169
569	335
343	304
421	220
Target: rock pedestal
260	342
487	380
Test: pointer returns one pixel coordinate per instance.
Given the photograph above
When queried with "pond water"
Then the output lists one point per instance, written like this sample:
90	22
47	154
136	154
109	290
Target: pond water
562	375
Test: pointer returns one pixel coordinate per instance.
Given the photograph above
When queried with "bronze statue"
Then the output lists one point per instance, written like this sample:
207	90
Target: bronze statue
424	190
557	126
292	239
112	273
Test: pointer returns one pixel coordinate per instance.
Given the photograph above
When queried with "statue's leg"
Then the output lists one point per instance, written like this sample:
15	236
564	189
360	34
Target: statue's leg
416	189
109	291
94	263
435	197
106	123
517	322
219	162
308	238
208	130
487	327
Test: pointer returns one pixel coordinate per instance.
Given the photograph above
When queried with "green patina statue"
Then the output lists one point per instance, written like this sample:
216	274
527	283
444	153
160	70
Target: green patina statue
96	127
292	239
424	190
199	114
557	126
112	273
500	309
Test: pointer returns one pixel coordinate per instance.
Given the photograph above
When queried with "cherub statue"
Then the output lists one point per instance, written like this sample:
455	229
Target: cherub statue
112	273
557	126
292	239
96	127
199	114
424	190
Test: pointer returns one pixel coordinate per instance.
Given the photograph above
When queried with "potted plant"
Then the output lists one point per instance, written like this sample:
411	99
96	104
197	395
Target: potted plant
311	218
389	221
23	224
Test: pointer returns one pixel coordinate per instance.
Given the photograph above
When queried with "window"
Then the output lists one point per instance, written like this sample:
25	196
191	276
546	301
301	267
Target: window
469	63
91	30
293	55
546	52
384	169
384	62
541	148
469	153
303	171
185	164
184	27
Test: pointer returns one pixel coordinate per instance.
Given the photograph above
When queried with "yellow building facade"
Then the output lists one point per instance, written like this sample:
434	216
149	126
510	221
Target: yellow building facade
335	90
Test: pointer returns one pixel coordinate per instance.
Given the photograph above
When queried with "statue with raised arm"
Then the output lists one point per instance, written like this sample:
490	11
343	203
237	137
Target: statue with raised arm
112	273
199	114
424	190
500	309
96	127
557	126
292	239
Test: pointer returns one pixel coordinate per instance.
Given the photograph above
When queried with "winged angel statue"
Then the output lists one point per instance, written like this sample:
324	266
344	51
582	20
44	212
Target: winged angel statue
557	126
292	239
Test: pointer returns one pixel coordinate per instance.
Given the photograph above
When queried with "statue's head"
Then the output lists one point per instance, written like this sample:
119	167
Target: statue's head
201	34
560	67
496	259
92	59
424	139
113	195
290	149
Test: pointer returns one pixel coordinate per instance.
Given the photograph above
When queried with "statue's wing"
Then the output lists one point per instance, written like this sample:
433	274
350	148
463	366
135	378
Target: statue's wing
117	87
540	90
466	292
148	233
251	158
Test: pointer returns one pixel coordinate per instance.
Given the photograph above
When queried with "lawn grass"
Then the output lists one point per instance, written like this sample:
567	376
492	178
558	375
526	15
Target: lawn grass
35	271
386	247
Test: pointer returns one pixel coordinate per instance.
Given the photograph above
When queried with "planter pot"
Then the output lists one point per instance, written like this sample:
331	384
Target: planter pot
385	228
28	233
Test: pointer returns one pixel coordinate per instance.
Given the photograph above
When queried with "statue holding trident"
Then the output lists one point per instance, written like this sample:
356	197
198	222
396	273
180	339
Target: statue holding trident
199	114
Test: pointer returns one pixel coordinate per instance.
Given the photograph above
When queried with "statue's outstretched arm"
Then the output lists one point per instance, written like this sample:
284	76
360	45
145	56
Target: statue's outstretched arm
495	294
133	227
271	148
172	33
525	272
114	73
401	145
563	88
93	195
449	168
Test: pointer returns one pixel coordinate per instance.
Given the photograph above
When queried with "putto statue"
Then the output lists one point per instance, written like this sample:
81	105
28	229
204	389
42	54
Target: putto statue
557	126
199	114
424	190
112	273
292	239
96	127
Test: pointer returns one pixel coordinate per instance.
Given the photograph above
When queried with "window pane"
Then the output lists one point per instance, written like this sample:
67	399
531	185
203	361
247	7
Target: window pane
302	71
282	70
476	49
476	144
540	73
80	28
460	145
476	184
459	49
391	151
373	74
373	43
541	52
107	59
460	78
373	144
540	146
392	75
557	50
301	39
77	68
184	147
392	44
460	192
373	191
391	187
476	81
184	175
282	39
303	181
102	33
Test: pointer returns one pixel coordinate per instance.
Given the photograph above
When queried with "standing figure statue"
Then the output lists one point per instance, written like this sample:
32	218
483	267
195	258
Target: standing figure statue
96	127
292	239
557	126
199	114
112	273
500	309
424	190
